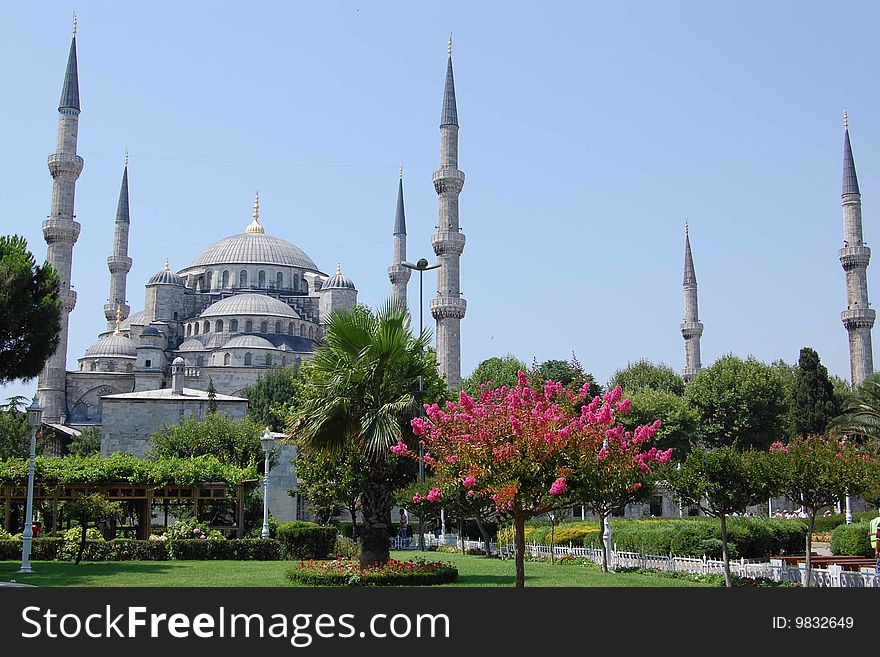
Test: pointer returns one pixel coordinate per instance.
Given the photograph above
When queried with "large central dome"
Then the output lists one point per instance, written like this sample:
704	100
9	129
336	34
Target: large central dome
254	249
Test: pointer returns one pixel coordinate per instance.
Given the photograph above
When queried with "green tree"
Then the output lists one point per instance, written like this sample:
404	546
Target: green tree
817	471
361	395
570	373
212	396
645	374
721	482
678	428
14	434
90	510
739	403
274	395
236	442
330	481
85	444
861	417
813	396
500	371
30	320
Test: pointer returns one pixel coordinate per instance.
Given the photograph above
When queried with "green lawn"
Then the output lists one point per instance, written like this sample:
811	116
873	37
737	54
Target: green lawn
473	571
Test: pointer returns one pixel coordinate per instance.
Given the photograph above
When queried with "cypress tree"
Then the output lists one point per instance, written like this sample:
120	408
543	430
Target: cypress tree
813	395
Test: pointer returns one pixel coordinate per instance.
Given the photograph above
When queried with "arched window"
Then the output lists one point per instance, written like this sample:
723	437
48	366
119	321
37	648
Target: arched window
261	279
279	280
189	330
225	279
296	282
242	278
302	330
226	359
196	328
218	326
278	327
200	361
247	359
93	366
268	360
233	326
290	329
264	327
207	327
311	332
284	361
208	278
111	366
248	326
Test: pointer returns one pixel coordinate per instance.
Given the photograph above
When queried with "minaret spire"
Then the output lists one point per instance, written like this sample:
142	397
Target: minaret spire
61	231
858	318
691	327
119	263
448	308
397	273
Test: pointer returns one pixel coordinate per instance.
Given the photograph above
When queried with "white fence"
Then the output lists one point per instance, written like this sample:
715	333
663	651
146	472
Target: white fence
833	576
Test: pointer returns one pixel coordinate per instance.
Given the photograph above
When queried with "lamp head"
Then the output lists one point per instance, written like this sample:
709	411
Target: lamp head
422	263
266	440
34	414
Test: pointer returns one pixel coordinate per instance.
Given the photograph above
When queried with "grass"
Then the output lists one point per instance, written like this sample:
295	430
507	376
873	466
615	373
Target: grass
473	571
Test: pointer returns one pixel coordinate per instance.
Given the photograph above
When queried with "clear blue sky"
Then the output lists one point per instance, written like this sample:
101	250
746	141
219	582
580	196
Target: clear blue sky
589	132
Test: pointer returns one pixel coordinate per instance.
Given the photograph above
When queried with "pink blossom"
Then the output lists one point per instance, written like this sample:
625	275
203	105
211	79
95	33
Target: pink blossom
399	449
613	395
419	426
778	447
452	459
417	499
602	455
470	493
197	531
469	482
433	495
558	487
623	406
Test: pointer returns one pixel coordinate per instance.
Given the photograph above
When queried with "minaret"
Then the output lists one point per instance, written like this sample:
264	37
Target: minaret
399	274
119	263
858	318
691	327
61	231
448	308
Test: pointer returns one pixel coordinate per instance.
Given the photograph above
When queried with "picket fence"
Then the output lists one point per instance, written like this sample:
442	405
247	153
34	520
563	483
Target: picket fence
775	569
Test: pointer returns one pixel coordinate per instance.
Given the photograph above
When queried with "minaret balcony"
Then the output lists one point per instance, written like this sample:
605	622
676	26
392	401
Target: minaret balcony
691	330
65	163
60	230
854	257
399	274
858	318
448	307
119	264
448	179
68	298
448	242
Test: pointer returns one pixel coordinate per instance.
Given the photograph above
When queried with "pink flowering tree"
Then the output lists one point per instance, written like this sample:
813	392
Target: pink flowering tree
519	447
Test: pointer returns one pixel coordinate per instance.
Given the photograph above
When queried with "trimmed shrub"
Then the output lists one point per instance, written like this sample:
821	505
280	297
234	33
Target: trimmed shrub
42	549
129	549
852	540
306	540
828	523
343	572
243	549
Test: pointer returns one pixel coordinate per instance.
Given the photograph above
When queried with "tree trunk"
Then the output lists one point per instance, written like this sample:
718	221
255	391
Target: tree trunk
809	546
552	541
482	528
352	510
461	534
519	539
602	541
376	510
724	552
82	544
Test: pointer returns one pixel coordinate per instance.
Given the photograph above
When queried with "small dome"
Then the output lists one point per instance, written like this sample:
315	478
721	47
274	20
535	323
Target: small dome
112	346
249	304
338	281
248	342
191	345
179	361
150	330
166	277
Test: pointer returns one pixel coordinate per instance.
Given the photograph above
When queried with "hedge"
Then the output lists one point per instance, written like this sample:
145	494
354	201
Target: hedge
306	540
126	549
42	549
343	572
242	549
852	540
829	523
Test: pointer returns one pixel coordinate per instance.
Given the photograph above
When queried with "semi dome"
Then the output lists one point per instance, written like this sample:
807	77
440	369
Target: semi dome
338	281
136	319
191	345
250	304
248	342
165	277
112	346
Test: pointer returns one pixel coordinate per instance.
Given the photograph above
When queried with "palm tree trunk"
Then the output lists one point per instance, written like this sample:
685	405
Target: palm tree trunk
376	510
725	553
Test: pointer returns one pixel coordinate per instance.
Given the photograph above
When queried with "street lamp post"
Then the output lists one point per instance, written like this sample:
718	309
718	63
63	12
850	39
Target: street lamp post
34	415
421	266
266	441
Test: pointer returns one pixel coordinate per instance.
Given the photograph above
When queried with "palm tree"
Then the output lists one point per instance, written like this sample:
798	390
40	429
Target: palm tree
362	393
861	418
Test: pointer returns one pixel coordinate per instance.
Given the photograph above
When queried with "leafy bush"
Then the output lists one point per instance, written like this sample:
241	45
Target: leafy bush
565	533
852	540
129	549
42	549
344	572
829	523
347	548
189	528
5	535
244	549
306	540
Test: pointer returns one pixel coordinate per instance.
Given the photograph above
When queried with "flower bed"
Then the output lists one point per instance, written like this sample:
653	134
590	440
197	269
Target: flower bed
347	572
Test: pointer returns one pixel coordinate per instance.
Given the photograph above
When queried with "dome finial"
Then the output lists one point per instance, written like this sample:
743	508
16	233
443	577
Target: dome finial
74	24
401	170
845	120
338	268
118	320
685	227
126	156
255	226
449	45
167	268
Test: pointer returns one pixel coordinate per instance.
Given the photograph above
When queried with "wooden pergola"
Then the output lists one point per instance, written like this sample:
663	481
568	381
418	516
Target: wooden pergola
141	496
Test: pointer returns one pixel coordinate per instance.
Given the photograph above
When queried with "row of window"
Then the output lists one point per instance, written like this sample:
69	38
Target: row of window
305	331
269	361
109	366
205	281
